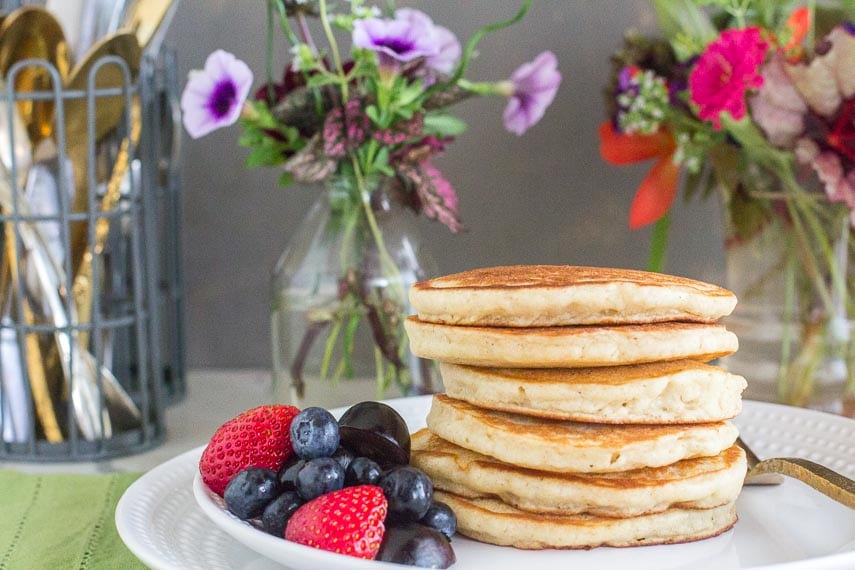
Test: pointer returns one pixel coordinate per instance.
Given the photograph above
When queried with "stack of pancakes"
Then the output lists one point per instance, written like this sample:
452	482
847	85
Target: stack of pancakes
578	409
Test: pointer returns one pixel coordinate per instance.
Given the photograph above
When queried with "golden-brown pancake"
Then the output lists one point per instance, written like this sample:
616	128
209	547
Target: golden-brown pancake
557	295
568	347
561	446
494	522
700	483
681	391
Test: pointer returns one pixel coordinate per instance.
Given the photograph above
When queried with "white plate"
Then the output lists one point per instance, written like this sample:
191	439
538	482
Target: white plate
788	527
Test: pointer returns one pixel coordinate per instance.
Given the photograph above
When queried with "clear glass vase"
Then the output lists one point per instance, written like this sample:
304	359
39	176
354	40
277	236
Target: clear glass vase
340	297
795	282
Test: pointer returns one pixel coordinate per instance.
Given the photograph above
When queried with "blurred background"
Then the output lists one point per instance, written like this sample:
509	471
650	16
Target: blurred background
546	197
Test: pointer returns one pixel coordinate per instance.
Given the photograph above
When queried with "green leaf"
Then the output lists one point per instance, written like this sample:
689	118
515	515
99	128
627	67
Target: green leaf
373	114
320	80
285	179
443	125
382	158
409	94
684	17
347	342
269	155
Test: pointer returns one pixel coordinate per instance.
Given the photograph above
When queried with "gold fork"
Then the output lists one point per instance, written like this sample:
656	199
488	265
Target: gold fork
769	471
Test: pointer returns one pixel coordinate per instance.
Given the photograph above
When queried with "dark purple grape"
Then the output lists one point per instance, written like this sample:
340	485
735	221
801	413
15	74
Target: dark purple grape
376	431
416	545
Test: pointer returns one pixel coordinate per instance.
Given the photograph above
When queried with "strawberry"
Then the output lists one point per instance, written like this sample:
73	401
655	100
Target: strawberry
349	521
259	437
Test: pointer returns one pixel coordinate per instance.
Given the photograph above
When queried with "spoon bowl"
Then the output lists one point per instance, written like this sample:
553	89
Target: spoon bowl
33	33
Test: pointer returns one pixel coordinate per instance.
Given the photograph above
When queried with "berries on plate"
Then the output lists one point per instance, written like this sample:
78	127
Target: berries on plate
259	437
416	545
314	433
349	521
409	492
250	491
318	477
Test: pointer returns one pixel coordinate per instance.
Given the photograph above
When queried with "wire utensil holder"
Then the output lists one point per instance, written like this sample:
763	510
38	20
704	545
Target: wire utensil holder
91	388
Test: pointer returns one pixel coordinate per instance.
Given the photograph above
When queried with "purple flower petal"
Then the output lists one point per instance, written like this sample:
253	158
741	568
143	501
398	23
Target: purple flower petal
534	87
213	98
411	35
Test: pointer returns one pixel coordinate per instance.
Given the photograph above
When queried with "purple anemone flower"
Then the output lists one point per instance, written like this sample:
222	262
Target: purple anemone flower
213	97
411	35
532	88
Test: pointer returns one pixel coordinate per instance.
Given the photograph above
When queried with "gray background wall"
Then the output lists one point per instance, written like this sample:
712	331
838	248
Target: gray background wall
545	197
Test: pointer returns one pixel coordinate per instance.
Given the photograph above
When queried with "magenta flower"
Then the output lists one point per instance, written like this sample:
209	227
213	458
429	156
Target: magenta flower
532	88
728	68
213	97
411	35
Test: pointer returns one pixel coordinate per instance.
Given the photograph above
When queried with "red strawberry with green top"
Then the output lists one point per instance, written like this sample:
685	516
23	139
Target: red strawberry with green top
349	521
259	437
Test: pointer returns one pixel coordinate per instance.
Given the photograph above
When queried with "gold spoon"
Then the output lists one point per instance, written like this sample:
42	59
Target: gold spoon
145	17
26	33
108	113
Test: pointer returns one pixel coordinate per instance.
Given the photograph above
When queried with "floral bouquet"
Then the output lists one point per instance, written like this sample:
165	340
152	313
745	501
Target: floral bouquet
755	100
365	125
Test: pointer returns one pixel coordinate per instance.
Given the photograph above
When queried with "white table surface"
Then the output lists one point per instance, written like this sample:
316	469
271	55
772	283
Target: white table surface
213	397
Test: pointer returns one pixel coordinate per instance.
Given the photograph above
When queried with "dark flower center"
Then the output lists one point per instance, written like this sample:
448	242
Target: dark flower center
222	98
397	45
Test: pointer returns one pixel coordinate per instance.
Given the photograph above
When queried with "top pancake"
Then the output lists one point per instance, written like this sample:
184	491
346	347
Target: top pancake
555	295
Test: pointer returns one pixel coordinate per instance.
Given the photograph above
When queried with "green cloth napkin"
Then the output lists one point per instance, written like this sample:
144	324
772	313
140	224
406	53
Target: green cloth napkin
62	521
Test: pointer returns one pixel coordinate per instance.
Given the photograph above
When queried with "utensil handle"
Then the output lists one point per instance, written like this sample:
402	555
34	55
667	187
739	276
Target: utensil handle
828	482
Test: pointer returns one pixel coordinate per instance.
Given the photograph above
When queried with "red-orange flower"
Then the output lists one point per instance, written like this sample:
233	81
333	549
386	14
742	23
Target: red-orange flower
798	25
656	193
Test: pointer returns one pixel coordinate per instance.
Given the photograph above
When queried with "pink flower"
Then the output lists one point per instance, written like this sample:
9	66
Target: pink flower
213	98
725	71
839	185
777	107
534	86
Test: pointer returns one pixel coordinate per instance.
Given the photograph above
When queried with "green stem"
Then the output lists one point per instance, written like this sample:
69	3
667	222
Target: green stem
271	94
659	244
469	50
789	306
385	259
325	21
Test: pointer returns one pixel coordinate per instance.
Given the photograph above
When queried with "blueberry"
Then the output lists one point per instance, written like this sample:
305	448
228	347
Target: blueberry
250	491
362	471
288	474
343	456
409	492
314	433
276	515
415	545
319	477
442	518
